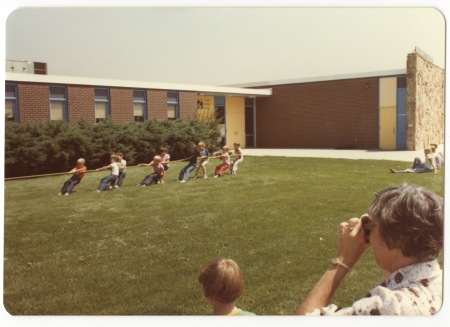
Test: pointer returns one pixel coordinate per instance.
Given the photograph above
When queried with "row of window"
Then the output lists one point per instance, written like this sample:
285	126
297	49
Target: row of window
58	104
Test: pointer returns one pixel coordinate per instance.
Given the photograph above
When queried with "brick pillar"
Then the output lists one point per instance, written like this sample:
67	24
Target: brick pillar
121	105
156	104
33	102
80	104
187	103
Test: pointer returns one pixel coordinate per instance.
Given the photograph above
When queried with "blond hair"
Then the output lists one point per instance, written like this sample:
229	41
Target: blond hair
221	280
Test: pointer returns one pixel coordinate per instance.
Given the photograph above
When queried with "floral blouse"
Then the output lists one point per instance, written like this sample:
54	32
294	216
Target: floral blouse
412	290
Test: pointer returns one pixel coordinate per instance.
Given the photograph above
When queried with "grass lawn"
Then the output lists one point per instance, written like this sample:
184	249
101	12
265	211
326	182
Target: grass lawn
137	251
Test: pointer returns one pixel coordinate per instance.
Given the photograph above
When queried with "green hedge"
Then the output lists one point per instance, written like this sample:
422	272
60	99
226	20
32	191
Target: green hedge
50	147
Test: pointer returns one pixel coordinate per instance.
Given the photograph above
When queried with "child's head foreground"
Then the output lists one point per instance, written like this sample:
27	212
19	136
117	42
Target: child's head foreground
222	284
221	280
157	159
81	162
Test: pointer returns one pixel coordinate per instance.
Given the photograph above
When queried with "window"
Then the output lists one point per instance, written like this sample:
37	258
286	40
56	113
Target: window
58	102
172	105
139	105
40	68
219	113
101	105
11	103
219	109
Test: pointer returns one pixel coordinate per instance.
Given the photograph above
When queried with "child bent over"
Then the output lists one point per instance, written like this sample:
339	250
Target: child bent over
158	172
225	157
77	175
114	166
223	284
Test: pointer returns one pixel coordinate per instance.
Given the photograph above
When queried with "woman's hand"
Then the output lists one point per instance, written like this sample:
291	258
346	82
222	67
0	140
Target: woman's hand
352	242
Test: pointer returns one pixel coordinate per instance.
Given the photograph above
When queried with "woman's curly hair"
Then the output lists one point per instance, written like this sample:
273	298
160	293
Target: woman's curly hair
410	218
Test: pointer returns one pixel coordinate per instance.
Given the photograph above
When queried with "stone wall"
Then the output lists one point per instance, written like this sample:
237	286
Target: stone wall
425	103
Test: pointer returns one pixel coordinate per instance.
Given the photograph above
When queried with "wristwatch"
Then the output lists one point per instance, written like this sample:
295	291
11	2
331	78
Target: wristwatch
336	261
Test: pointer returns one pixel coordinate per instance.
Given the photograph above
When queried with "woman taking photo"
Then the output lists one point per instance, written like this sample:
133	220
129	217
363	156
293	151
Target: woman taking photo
404	227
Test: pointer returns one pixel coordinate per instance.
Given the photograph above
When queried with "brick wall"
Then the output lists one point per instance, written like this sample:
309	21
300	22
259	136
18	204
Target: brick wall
156	104
188	104
80	104
330	114
121	105
33	102
425	103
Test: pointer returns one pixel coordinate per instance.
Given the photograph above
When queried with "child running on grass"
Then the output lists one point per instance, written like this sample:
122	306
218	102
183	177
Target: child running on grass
225	157
165	159
114	166
239	157
223	284
122	171
158	172
77	175
186	170
203	154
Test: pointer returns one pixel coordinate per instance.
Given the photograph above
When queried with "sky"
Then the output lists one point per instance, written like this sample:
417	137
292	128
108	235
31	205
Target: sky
222	46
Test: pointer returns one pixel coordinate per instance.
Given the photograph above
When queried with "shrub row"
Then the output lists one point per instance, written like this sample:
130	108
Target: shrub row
50	147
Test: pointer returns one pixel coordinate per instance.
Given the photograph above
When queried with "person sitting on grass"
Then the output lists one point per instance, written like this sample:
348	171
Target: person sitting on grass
225	157
186	170
404	227
428	167
158	172
439	156
114	166
77	175
222	284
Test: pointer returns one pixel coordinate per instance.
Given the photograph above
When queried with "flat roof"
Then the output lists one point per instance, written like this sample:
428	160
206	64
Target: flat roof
200	89
312	79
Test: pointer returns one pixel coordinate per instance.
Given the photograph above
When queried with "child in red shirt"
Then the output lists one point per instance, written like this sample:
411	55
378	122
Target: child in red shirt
225	157
77	175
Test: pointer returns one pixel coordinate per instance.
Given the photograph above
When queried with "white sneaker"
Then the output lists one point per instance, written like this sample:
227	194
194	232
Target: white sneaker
98	191
110	187
59	193
67	194
116	186
183	181
205	176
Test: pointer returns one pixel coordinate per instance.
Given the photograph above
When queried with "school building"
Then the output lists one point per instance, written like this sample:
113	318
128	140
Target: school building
400	109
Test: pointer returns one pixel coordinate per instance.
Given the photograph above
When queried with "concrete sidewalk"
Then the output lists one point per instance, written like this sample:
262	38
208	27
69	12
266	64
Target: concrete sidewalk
407	156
